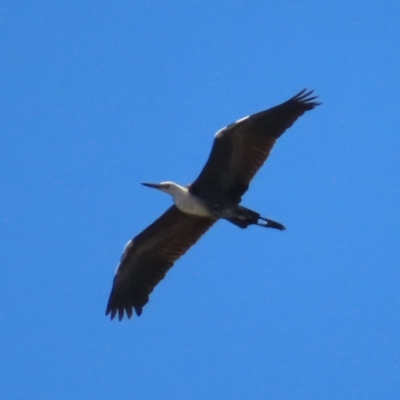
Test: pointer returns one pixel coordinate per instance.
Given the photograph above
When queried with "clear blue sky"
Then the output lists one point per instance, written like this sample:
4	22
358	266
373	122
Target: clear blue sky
98	96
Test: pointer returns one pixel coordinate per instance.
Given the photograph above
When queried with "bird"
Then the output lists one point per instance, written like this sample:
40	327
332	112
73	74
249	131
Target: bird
238	152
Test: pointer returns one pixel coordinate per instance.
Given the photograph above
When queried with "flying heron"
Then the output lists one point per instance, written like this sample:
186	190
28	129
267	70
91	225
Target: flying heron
238	152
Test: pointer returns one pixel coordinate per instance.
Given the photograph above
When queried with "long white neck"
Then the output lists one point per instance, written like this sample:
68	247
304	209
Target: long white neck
177	191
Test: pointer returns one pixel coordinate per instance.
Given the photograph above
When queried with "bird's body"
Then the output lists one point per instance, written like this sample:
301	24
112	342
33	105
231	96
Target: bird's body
238	152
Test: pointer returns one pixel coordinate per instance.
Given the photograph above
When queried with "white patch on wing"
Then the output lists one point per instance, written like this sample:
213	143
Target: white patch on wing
126	246
219	133
241	119
116	269
130	242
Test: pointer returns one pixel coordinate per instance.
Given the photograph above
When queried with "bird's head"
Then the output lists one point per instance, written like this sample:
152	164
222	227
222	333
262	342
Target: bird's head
167	187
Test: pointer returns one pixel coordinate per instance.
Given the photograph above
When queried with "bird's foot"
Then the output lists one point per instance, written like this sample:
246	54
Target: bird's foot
269	223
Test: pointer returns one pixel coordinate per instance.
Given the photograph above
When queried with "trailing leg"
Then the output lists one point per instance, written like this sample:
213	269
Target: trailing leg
269	223
243	217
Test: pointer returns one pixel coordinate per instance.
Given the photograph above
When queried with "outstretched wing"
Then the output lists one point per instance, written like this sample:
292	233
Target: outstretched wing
149	256
240	149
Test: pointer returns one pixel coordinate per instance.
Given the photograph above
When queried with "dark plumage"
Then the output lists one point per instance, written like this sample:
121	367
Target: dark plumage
148	257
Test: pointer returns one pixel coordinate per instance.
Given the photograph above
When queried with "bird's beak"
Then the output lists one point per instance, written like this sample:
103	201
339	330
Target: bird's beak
152	185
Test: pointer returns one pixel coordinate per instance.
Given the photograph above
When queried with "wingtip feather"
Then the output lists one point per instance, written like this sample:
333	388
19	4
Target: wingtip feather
304	96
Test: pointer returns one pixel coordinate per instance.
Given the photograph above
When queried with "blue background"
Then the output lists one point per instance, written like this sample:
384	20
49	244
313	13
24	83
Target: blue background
98	96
